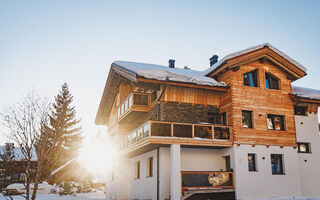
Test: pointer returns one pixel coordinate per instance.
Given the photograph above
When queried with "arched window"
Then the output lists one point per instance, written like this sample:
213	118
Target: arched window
272	82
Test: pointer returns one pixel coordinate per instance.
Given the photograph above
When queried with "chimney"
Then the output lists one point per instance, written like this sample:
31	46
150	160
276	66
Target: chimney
171	63
213	60
186	67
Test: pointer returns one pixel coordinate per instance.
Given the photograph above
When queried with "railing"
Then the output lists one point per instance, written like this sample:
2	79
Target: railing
206	180
177	130
137	101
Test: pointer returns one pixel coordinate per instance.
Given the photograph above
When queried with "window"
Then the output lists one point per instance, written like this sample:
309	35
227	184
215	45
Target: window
137	170
250	79
126	105
153	96
133	137
246	119
130	101
139	134
122	108
128	139
275	122
271	82
146	130
252	162
150	167
223	118
15	176
304	147
140	99
300	110
277	164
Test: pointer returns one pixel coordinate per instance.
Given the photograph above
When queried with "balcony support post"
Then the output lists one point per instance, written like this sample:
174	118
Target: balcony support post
175	171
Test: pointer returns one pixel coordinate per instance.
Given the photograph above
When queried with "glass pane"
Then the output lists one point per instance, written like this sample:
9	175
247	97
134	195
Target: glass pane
251	162
128	139
146	130
221	133
140	99
126	105
269	121
203	132
250	79
133	137
182	130
122	108
161	129
139	134
246	119
130	101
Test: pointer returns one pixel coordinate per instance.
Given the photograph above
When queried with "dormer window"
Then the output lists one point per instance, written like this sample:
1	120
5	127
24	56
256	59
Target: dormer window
272	82
250	79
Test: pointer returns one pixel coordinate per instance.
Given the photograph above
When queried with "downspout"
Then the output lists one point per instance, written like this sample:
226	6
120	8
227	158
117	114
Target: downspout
158	181
158	100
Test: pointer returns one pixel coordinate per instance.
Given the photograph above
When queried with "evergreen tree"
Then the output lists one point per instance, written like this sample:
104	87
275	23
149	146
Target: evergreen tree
65	126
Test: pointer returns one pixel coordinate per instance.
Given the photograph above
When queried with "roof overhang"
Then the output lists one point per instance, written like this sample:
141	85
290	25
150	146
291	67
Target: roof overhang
298	98
263	53
117	73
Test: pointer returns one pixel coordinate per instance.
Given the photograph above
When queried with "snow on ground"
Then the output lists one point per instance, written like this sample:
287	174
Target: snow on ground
78	196
288	198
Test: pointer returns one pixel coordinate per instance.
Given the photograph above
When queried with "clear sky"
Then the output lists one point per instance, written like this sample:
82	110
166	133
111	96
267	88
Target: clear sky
46	43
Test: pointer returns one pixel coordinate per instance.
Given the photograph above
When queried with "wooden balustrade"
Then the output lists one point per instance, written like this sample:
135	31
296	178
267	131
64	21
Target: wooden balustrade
195	180
175	130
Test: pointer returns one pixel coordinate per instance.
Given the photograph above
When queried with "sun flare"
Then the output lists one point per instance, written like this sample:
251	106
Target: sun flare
97	155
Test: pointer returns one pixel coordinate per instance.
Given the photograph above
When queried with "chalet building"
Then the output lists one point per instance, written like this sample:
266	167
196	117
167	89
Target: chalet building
238	127
13	170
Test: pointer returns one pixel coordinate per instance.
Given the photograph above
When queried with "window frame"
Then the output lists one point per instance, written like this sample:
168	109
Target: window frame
274	77
282	127
282	170
254	81
254	161
251	117
308	145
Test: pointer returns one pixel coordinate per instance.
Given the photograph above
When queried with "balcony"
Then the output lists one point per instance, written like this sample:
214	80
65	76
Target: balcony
133	106
164	133
203	180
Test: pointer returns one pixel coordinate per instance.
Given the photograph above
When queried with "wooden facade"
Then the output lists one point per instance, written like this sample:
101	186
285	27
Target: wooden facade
260	101
230	100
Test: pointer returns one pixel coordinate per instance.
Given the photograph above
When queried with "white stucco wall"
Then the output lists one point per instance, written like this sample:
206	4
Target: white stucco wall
144	187
164	172
196	159
119	188
263	184
308	131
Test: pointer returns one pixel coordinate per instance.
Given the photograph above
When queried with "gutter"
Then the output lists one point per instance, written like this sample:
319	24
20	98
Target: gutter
158	181
158	100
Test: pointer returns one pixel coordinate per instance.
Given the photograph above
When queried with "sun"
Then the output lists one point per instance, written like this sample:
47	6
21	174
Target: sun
97	155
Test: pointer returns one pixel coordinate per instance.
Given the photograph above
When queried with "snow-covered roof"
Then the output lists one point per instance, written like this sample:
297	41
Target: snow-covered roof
306	92
238	53
18	154
162	73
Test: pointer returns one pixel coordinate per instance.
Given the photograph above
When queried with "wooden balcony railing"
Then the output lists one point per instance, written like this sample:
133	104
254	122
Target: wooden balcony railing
196	180
174	130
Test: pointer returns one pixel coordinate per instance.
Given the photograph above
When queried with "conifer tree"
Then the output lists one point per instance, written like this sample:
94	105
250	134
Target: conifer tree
65	126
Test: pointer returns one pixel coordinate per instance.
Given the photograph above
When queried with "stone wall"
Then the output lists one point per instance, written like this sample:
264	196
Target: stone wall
185	112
